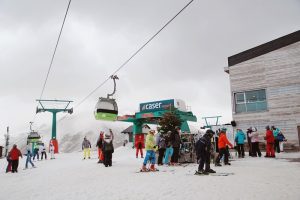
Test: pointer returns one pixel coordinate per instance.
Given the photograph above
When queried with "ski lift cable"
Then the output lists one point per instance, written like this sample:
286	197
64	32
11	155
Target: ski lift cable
129	59
54	52
133	55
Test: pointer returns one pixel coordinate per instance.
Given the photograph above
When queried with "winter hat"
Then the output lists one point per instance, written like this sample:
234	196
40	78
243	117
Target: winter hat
107	136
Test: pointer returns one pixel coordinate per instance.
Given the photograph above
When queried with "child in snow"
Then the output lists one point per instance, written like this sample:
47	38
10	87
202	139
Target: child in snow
108	148
51	150
9	163
150	152
43	151
270	143
100	146
240	140
222	144
203	151
86	147
15	153
28	159
161	142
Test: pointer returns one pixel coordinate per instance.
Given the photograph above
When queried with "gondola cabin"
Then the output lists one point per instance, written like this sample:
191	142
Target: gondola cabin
106	109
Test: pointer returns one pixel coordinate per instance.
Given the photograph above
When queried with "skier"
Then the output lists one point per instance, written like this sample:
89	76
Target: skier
203	152
161	142
9	163
176	141
254	136
270	143
43	151
36	152
222	144
108	148
86	147
276	131
150	152
169	148
139	145
15	153
100	145
28	159
51	150
240	140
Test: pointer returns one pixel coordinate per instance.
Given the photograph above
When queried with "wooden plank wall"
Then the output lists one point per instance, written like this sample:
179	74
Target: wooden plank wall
279	73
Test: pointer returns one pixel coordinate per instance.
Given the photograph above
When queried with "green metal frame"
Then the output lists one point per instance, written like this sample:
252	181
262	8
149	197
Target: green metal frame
54	111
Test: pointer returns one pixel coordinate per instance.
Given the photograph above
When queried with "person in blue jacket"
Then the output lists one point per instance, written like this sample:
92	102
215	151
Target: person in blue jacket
28	159
240	138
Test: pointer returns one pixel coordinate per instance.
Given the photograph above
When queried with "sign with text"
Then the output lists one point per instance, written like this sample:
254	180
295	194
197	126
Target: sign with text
157	105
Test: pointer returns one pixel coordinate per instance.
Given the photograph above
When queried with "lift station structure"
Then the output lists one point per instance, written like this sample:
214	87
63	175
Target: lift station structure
54	106
152	112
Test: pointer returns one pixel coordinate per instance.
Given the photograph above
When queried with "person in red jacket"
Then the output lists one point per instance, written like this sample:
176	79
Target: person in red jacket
15	153
270	143
222	144
139	145
100	145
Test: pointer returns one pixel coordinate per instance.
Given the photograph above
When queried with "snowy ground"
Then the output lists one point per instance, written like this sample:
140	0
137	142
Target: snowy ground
69	177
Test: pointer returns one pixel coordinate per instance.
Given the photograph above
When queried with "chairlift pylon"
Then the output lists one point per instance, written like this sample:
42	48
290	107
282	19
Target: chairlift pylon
107	108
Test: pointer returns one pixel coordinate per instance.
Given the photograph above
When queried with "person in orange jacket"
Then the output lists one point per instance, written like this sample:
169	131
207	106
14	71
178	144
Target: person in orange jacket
100	145
270	143
222	144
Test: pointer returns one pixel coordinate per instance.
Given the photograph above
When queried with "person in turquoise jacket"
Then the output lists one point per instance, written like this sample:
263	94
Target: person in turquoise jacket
150	152
240	138
276	131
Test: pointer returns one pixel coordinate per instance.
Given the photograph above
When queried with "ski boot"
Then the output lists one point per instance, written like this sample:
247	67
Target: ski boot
210	171
144	169
152	168
227	163
218	165
201	172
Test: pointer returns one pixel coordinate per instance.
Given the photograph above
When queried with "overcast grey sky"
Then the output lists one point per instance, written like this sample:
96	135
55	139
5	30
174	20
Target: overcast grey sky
185	61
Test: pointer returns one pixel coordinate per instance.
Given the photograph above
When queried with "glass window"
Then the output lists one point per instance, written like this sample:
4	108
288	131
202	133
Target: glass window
250	101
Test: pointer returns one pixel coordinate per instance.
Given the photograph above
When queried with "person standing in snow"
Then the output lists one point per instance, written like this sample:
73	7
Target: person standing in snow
43	151
281	139
100	145
51	150
276	131
176	141
108	148
150	152
9	163
203	151
161	142
86	147
139	145
28	159
222	145
240	140
15	153
254	136
270	143
249	131
169	148
36	151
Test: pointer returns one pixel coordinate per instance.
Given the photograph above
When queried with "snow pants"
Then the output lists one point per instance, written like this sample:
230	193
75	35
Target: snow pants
270	150
43	154
240	149
150	156
9	166
281	146
36	153
223	151
175	156
107	158
86	152
276	146
160	156
137	152
52	154
255	149
204	158
100	154
14	166
168	154
28	160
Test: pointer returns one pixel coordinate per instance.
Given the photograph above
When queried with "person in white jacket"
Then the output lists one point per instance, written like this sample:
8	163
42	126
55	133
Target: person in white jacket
255	142
52	149
42	150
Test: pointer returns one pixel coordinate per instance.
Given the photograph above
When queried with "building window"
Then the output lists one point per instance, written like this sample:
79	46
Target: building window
250	101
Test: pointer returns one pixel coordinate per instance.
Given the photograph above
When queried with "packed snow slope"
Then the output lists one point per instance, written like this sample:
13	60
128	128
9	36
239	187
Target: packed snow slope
70	177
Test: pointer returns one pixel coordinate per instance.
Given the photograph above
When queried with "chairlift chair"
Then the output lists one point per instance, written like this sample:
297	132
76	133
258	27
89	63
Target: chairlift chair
107	108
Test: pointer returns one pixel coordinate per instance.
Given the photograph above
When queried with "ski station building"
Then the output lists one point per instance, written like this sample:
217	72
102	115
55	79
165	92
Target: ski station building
265	87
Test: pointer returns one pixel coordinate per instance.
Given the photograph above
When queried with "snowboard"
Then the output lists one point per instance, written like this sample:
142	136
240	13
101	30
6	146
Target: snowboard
148	170
214	174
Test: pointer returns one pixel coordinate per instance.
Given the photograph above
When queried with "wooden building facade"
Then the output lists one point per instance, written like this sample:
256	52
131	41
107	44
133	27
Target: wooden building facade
265	87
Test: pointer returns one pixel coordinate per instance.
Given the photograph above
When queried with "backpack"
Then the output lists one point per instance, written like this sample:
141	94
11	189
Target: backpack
162	143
